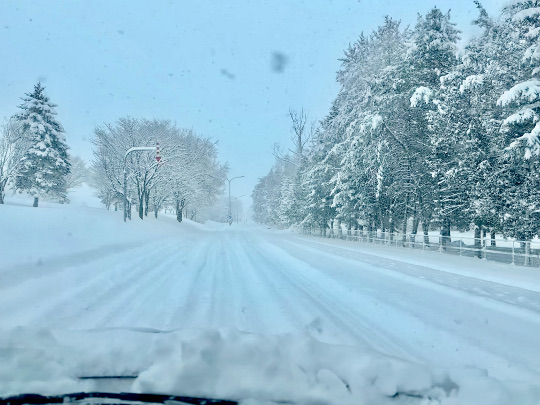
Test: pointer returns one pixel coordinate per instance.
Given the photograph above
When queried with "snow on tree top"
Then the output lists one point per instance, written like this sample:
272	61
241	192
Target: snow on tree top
421	94
470	82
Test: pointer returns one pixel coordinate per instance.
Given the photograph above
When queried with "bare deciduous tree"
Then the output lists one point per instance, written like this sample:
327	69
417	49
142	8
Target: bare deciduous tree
299	137
13	145
185	174
78	172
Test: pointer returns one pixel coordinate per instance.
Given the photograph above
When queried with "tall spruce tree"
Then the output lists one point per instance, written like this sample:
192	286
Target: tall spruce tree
46	164
434	56
524	97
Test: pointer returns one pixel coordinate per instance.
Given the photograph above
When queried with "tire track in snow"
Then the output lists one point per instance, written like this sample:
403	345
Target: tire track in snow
129	307
330	302
189	294
230	290
69	291
143	302
442	314
269	307
115	301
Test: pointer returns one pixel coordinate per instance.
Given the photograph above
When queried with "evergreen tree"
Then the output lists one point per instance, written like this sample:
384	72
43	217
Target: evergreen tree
46	164
435	43
415	132
524	97
487	68
433	56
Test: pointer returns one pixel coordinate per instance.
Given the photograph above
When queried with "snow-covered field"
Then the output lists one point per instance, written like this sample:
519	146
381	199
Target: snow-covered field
247	312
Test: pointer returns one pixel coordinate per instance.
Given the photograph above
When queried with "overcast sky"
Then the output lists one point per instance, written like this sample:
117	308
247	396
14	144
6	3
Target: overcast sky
209	65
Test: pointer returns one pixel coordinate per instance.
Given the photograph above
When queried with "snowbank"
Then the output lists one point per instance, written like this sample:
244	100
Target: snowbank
241	366
506	274
35	236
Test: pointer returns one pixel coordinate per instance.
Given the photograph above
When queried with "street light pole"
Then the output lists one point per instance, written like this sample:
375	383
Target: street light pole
135	149
230	205
237	210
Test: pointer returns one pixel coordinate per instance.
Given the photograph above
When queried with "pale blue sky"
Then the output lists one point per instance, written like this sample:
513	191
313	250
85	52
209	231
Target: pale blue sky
204	64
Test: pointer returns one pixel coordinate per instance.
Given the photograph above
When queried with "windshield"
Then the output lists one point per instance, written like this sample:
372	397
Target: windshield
270	201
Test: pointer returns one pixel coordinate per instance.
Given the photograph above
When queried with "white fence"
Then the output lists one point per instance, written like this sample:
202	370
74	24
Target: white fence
525	253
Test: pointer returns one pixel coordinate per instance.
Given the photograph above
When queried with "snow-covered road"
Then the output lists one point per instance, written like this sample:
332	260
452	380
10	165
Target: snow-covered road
268	282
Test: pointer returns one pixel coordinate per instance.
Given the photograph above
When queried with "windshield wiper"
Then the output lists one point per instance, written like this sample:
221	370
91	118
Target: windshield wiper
123	397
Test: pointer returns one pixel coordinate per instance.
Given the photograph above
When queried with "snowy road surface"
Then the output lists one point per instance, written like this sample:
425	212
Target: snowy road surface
268	282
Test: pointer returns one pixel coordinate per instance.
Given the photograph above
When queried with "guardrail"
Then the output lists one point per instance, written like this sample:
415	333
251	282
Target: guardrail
525	253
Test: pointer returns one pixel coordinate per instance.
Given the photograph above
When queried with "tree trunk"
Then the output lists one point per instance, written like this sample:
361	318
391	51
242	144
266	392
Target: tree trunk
445	233
116	206
527	253
128	205
140	207
156	207
180	205
425	229
484	236
141	210
405	218
2	193
415	223
36	201
178	211
146	203
478	241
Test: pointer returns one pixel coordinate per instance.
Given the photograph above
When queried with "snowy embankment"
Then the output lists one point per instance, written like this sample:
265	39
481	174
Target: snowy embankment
246	313
71	232
250	368
512	275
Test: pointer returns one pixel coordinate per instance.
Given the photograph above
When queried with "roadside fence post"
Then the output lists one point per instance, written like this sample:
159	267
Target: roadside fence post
513	252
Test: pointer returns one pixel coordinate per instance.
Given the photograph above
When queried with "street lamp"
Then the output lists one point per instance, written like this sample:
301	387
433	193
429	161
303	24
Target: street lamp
136	149
237	198
230	207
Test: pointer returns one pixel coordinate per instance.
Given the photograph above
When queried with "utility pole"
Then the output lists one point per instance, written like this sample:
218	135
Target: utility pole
237	198
136	149
230	205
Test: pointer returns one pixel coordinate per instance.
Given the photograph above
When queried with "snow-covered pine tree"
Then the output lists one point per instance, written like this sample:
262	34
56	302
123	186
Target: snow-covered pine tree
433	56
486	70
524	96
46	164
267	196
397	154
519	204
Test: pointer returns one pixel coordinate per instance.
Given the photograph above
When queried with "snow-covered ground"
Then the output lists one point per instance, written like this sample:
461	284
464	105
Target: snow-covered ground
247	312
